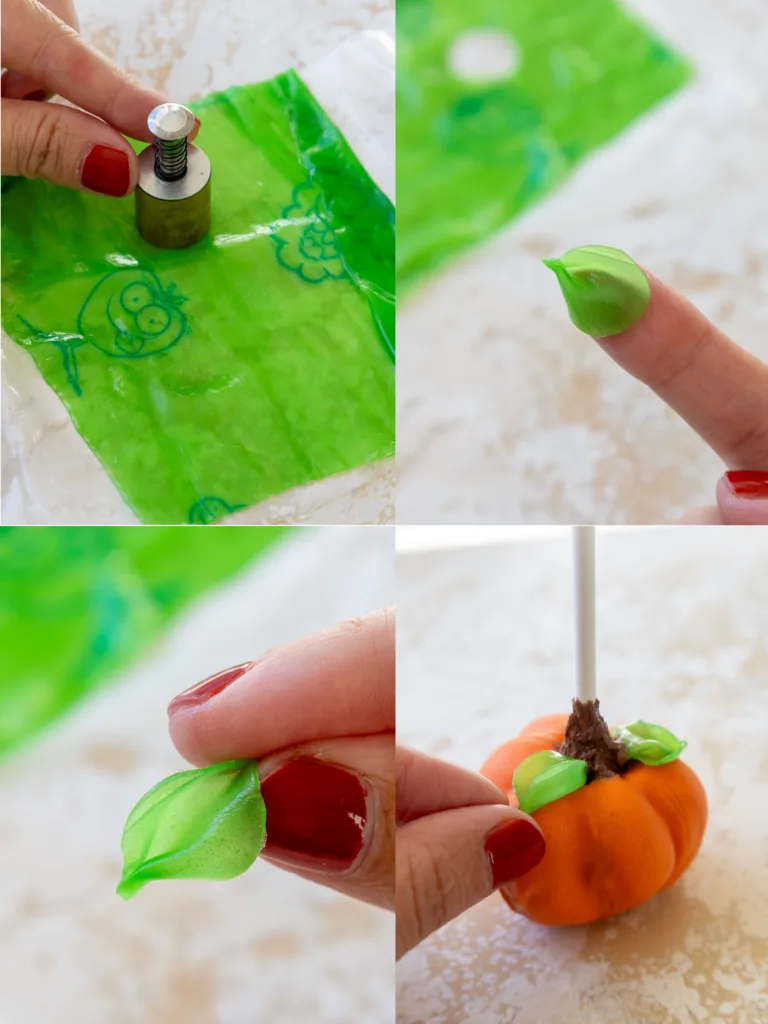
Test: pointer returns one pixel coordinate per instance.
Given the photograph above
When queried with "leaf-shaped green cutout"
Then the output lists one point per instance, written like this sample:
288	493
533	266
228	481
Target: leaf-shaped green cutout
650	744
547	776
204	823
532	766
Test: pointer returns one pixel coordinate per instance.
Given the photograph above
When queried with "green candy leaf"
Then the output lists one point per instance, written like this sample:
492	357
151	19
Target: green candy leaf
547	776
649	744
204	823
532	766
604	289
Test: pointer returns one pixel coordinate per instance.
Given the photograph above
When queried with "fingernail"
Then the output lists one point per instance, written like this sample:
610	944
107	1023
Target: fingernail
512	849
604	289
106	170
316	813
201	692
37	96
748	483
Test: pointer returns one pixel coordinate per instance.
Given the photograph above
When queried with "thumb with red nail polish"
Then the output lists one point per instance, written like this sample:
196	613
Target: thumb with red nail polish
742	498
458	841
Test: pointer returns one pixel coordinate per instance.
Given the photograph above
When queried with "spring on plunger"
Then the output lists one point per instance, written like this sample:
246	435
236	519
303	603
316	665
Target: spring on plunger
170	159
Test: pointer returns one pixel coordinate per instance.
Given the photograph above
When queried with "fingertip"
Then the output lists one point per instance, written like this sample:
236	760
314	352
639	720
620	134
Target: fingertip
187	735
629	343
17	86
135	121
202	738
514	848
705	515
109	170
336	681
427	785
742	497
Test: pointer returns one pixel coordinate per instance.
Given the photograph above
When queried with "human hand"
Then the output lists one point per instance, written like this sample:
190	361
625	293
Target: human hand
319	716
458	840
45	55
716	387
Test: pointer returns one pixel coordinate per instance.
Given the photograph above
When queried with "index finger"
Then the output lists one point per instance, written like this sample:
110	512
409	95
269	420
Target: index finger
427	785
36	43
339	682
717	387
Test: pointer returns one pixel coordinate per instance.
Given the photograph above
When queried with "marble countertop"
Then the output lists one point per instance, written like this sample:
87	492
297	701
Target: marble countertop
506	412
485	644
345	51
265	947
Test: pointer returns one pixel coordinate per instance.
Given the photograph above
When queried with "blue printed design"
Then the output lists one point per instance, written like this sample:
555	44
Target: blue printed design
208	510
307	246
127	315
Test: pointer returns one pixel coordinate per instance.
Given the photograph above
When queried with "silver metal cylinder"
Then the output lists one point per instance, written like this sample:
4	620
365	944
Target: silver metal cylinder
173	196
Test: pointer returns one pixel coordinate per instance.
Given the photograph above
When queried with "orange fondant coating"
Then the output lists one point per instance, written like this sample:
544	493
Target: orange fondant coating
610	845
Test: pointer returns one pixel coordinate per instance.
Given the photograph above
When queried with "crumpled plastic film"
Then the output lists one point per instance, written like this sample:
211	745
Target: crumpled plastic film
471	154
210	378
78	603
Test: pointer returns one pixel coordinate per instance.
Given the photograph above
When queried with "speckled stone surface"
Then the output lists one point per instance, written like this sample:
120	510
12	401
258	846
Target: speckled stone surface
262	948
486	644
506	413
345	52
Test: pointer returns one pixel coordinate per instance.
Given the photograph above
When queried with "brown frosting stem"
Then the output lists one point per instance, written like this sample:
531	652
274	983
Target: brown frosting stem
588	738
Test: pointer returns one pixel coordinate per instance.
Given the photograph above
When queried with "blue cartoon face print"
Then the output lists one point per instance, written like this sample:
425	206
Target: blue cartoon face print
129	314
143	318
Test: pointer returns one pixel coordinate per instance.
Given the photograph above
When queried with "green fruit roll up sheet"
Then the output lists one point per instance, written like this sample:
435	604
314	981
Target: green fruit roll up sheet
473	154
207	379
78	603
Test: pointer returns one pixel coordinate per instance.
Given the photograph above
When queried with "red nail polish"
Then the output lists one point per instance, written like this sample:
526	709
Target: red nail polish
748	483
37	96
316	813
107	170
512	849
201	692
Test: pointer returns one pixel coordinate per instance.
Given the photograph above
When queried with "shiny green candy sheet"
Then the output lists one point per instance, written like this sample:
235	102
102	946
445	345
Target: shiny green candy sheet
210	378
472	155
77	604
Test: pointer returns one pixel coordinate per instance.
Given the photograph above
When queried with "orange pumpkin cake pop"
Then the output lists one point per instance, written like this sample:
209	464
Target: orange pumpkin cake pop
622	816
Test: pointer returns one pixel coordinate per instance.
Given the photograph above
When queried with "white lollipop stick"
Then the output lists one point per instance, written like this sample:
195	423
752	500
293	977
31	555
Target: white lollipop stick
584	573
